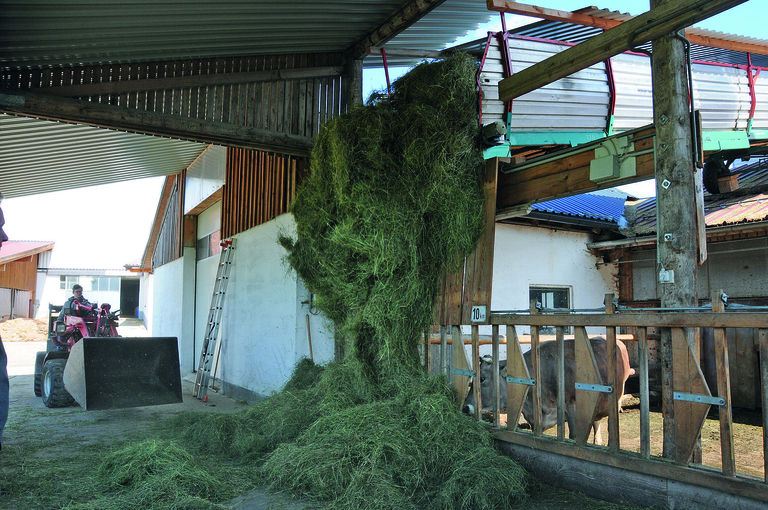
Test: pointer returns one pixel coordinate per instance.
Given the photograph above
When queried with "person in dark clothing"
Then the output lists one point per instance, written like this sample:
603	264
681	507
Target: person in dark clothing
70	308
4	382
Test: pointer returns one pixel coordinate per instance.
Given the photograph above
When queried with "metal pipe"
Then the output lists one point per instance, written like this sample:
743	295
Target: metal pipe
692	108
386	70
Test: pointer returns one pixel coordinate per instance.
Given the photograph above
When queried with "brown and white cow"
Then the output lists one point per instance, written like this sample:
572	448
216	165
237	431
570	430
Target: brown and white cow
548	382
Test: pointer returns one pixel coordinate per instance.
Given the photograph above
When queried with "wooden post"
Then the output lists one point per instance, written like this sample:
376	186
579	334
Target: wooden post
763	337
476	367
560	383
724	391
612	379
536	375
645	428
495	373
675	187
352	81
444	351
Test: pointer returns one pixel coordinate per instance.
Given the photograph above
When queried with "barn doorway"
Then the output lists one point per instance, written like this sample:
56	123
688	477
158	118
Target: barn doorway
129	297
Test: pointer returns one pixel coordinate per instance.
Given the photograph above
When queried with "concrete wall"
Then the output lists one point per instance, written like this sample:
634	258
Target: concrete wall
264	325
146	299
173	304
738	267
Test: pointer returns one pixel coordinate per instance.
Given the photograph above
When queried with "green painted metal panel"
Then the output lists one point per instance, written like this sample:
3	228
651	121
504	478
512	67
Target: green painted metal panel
724	140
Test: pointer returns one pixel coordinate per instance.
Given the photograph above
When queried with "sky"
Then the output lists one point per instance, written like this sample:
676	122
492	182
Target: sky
107	226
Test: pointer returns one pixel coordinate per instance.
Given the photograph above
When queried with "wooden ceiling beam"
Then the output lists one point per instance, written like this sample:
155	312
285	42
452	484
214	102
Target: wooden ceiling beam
410	13
655	23
203	80
577	18
46	106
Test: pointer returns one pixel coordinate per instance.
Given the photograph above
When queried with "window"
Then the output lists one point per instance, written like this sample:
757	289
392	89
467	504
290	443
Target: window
208	246
551	297
105	283
66	282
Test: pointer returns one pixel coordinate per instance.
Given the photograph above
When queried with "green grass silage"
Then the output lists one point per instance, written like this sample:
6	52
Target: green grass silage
393	197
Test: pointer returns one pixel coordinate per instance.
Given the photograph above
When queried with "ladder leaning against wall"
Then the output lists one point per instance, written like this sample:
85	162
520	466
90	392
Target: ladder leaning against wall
202	380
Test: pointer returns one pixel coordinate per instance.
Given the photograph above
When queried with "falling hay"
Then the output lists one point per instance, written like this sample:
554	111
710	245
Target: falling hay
394	196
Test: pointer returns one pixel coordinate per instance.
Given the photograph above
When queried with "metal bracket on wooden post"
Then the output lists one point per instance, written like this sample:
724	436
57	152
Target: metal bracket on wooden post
699	399
600	388
521	380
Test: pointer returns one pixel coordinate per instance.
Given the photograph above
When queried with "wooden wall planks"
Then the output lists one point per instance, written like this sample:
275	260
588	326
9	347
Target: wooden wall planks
259	187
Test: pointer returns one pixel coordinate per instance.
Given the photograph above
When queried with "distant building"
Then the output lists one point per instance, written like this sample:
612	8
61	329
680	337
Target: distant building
19	281
118	287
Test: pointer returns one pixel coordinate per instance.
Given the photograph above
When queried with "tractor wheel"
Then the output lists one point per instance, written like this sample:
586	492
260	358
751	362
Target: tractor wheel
39	373
54	393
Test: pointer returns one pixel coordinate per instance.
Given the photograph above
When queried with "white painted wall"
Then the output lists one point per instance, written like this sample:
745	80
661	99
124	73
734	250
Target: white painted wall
209	220
173	303
264	324
52	293
530	256
146	299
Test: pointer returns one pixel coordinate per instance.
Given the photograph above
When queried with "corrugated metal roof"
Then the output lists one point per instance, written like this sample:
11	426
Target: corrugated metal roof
39	156
572	33
36	32
726	209
437	30
13	250
590	206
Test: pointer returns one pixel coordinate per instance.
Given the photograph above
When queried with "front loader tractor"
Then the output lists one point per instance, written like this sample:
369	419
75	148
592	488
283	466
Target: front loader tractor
87	362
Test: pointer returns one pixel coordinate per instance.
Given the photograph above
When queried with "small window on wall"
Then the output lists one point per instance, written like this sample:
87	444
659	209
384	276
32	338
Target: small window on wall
209	245
551	297
105	283
67	282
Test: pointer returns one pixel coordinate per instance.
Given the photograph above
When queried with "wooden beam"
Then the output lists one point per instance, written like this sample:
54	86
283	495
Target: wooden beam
201	80
535	11
739	486
214	197
665	19
695	36
647	320
407	52
410	13
555	176
676	229
49	107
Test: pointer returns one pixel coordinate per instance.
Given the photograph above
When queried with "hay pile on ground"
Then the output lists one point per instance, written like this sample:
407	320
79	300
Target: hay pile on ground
353	445
23	330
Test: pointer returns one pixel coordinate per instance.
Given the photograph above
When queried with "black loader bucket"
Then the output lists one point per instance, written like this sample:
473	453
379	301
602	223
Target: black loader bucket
115	372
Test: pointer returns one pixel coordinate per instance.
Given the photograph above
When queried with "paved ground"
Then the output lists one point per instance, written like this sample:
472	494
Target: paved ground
30	419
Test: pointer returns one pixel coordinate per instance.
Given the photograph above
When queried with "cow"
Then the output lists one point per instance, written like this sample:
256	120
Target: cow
548	382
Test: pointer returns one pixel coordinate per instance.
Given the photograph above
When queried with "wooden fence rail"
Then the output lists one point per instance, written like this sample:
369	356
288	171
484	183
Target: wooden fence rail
692	398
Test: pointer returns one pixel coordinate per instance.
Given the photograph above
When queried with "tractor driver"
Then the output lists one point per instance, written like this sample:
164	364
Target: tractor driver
70	308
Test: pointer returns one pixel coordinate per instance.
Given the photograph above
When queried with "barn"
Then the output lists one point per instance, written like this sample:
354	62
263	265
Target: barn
229	114
20	282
